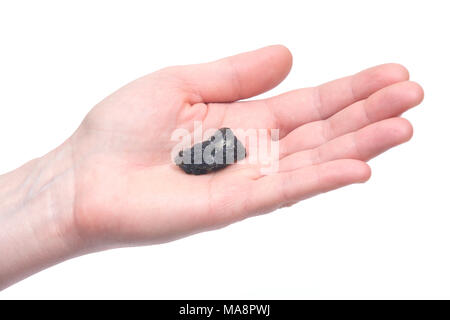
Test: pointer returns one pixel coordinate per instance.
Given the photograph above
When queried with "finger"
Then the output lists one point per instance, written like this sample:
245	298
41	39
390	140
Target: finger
237	77
273	191
363	144
298	107
386	103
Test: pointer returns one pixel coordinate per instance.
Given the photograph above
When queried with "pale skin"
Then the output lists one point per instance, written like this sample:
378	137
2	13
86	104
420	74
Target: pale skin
113	183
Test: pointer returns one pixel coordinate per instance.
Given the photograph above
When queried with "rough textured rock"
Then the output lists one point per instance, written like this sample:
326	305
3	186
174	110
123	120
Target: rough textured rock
220	150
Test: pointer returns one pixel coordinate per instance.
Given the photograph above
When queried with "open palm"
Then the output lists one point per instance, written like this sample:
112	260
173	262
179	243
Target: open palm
129	191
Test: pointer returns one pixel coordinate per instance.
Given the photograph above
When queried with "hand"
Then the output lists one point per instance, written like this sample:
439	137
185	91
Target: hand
128	191
113	182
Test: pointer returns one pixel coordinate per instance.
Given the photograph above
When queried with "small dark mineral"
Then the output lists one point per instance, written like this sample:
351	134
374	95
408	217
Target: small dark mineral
220	150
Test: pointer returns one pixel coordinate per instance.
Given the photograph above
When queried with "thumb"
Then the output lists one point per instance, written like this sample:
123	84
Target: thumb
237	77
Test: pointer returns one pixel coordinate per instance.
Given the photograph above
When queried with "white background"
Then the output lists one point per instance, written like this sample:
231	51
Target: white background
388	238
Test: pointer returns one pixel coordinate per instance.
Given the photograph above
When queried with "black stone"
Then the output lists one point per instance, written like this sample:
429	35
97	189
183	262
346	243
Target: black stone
220	150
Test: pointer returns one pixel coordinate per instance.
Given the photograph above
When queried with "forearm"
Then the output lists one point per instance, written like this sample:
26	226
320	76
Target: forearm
36	216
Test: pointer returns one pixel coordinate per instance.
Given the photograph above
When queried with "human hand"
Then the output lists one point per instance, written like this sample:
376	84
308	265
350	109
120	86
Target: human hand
113	182
128	191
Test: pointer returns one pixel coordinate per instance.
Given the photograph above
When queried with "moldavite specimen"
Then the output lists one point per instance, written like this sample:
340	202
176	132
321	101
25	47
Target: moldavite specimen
220	150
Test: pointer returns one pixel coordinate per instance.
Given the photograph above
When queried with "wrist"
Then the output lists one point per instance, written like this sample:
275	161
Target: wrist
36	212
